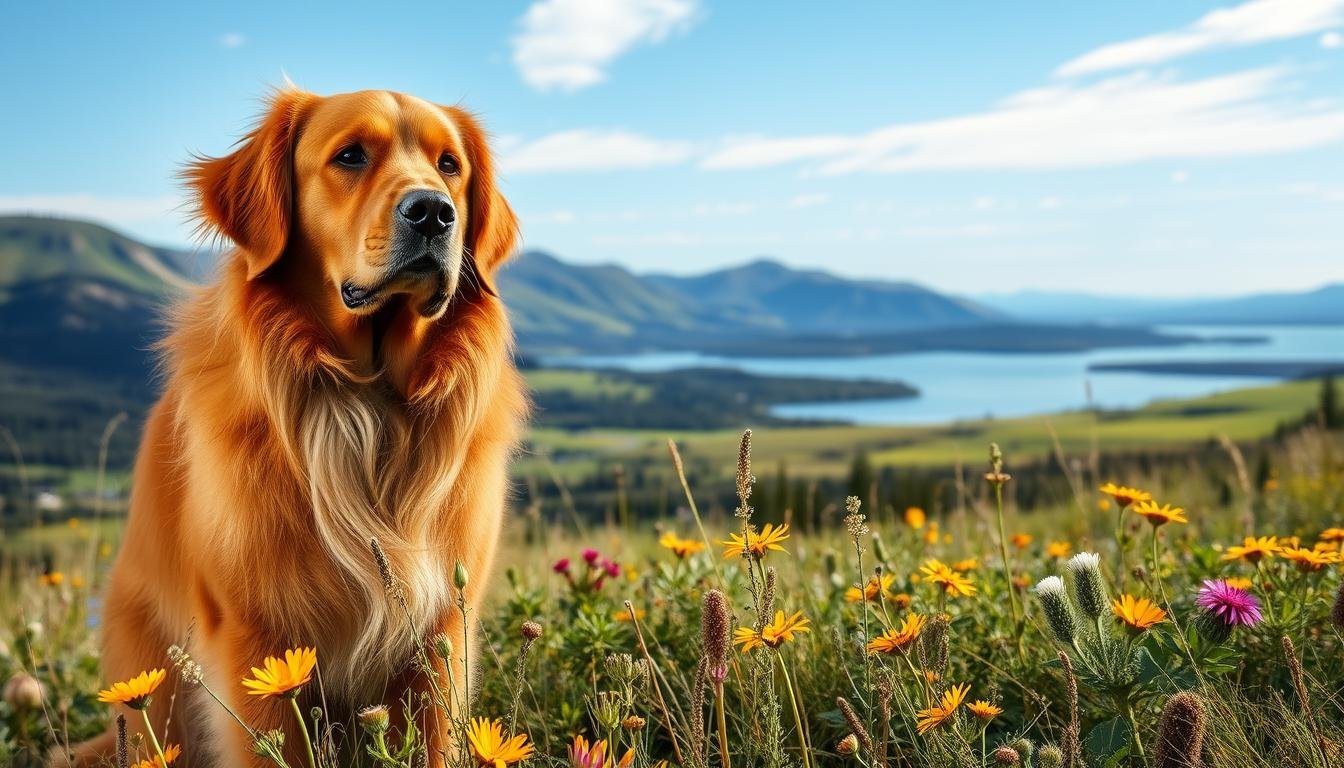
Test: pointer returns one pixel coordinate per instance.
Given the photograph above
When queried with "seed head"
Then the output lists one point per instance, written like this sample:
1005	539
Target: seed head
123	753
716	621
1180	735
1006	756
860	731
1058	611
744	478
530	630
384	566
855	523
1089	585
634	723
1050	756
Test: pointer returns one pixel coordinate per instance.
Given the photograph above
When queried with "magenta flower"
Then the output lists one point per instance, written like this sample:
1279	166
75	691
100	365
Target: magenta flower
590	556
1228	604
561	565
613	570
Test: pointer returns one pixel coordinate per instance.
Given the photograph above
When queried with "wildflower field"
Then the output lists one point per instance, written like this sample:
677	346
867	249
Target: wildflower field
1150	618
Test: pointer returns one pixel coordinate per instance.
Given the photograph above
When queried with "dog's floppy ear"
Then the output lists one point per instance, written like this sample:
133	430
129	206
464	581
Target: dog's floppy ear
492	228
248	196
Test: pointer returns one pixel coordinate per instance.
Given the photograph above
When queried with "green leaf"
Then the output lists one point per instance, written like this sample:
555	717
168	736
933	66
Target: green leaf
1107	739
1149	669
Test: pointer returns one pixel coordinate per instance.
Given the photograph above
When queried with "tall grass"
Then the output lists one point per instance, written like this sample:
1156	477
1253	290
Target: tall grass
626	642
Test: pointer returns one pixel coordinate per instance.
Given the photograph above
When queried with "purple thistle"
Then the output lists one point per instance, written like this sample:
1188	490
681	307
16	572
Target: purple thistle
1230	605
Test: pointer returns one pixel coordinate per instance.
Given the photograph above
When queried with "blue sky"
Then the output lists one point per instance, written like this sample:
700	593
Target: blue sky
1166	148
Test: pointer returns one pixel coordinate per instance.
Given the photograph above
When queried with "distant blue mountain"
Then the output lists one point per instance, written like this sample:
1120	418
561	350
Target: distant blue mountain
1323	306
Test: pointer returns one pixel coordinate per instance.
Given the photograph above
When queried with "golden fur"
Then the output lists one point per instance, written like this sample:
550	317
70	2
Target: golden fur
292	430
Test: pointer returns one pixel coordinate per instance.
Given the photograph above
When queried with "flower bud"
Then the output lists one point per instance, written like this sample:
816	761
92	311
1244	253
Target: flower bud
1211	627
1059	614
848	745
1089	585
460	576
269	744
1024	748
1006	756
443	646
1050	756
23	692
374	719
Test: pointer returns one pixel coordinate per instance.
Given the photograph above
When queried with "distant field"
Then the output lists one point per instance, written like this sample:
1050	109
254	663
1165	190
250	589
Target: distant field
1243	414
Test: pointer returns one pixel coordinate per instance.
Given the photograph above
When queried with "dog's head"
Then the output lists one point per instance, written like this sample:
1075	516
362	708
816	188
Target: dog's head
360	200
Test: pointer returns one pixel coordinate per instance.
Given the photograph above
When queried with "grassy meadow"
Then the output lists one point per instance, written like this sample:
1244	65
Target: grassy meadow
889	635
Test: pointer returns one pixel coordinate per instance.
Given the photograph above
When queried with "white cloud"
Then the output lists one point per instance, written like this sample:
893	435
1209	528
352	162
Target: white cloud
1256	21
760	151
568	44
232	40
1125	119
808	201
1180	177
116	210
591	150
1331	40
702	210
552	217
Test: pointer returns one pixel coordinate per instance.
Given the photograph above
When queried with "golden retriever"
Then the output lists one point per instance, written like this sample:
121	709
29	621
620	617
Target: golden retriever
348	376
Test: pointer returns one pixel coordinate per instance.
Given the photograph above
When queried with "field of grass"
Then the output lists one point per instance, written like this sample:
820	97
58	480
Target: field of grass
892	638
1244	414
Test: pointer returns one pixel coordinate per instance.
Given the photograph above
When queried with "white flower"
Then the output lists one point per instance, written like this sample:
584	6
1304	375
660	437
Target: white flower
1084	561
1050	585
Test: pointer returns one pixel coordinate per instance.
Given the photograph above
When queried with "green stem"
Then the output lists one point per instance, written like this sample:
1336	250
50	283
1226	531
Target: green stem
723	725
1007	567
1120	542
1269	604
797	716
149	729
1128	708
303	729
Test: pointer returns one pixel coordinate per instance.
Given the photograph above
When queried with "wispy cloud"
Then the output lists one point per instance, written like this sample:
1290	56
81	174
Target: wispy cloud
1124	119
568	44
809	200
109	209
232	40
591	150
1257	21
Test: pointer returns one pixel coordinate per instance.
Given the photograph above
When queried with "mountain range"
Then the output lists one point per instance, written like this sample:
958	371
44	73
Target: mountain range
558	306
1322	306
80	309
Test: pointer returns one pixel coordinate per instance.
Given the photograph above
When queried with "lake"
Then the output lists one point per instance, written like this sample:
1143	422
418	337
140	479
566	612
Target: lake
969	385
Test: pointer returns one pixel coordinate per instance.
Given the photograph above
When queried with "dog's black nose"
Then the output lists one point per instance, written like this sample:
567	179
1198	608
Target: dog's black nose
428	211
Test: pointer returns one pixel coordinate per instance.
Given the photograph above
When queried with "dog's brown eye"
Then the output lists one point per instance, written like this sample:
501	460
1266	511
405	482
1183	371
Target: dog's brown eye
448	164
351	157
